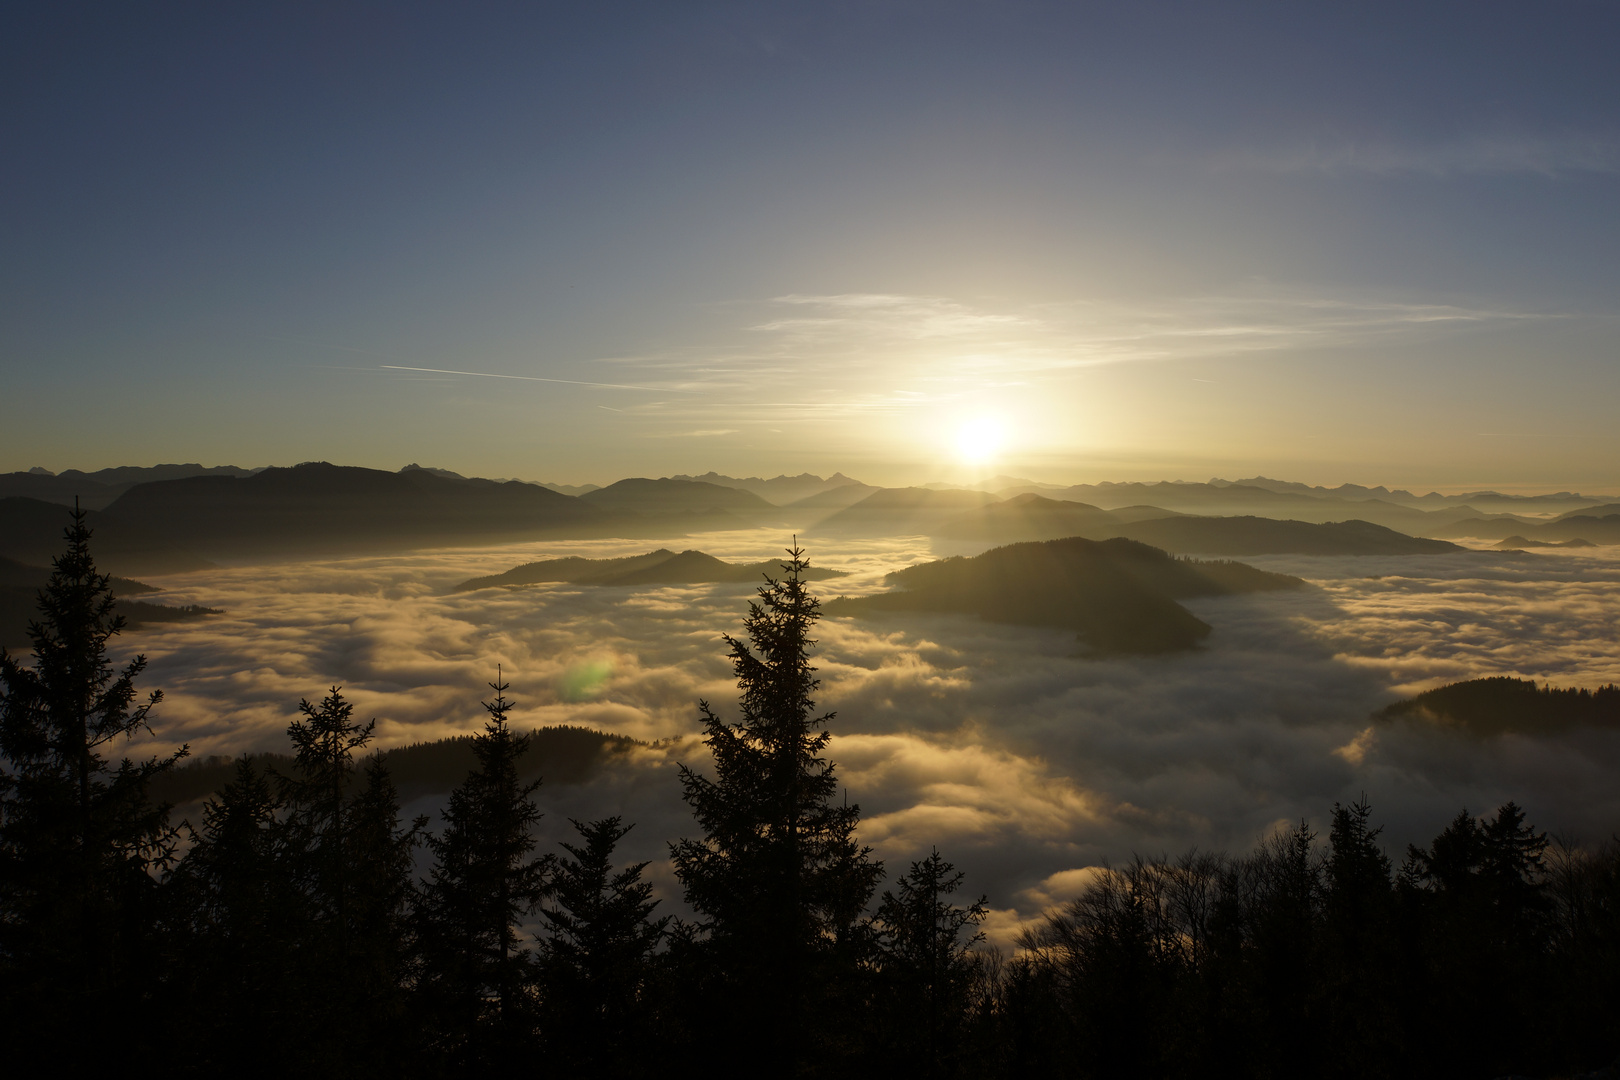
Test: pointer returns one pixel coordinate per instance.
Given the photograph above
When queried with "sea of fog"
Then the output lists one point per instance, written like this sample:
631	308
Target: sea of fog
1023	760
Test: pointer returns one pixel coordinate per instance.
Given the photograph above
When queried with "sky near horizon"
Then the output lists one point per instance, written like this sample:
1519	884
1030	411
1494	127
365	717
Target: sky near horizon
1371	243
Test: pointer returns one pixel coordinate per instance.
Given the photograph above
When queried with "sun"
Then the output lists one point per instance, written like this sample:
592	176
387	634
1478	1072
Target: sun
979	440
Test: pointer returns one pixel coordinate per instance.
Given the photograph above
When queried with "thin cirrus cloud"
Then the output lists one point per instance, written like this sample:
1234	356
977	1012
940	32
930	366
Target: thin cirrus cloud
912	352
825	332
1023	760
526	378
822	358
1597	153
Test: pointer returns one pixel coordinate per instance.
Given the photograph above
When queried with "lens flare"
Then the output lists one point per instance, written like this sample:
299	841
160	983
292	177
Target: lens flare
584	681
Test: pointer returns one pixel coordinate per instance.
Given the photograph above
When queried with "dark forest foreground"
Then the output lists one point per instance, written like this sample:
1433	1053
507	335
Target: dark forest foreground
288	931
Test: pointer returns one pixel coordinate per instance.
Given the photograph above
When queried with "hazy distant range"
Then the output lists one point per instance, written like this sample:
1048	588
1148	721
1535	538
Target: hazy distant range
171	518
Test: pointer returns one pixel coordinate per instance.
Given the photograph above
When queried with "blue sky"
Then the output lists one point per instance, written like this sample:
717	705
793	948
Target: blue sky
1130	241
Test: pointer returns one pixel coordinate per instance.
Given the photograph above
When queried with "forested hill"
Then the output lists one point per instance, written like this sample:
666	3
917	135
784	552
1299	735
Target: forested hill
19	603
557	755
19	575
661	567
1501	705
896	511
1117	595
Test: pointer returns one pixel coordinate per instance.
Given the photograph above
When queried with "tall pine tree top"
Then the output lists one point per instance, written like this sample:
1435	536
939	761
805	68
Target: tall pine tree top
477	972
778	877
79	836
56	717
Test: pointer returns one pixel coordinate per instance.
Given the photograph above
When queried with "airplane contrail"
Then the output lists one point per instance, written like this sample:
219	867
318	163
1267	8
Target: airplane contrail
537	378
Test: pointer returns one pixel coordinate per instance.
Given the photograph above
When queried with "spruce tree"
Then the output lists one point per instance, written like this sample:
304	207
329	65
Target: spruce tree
477	976
347	856
1283	948
1478	897
380	948
80	840
777	878
1359	946
925	964
598	957
318	794
238	927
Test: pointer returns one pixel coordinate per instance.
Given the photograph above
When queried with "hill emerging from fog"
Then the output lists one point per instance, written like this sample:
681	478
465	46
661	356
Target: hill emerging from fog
1418	516
1502	705
1035	517
681	504
1519	543
902	511
1267	536
19	603
1117	595
661	567
1588	527
559	755
1030	517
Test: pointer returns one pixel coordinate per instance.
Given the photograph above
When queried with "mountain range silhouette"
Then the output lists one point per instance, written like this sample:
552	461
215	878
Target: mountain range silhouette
174	518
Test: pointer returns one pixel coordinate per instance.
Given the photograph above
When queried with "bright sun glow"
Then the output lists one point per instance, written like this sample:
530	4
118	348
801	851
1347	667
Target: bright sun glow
979	440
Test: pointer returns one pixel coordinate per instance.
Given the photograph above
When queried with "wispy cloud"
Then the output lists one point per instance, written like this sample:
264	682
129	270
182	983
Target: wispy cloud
911	318
528	378
911	351
1597	153
837	360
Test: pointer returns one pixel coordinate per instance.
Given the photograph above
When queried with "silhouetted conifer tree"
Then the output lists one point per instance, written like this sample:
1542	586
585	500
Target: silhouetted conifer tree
1478	900
597	961
1359	948
1514	869
926	968
381	950
349	858
777	877
318	795
478	978
239	924
1283	951
79	838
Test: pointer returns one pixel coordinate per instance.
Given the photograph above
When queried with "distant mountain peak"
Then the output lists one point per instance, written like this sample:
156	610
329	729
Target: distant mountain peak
778	490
